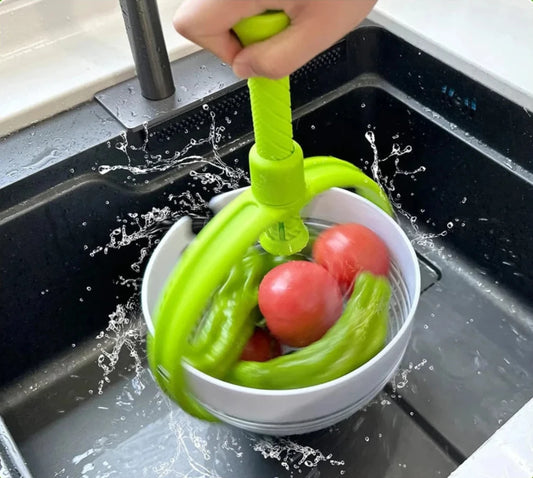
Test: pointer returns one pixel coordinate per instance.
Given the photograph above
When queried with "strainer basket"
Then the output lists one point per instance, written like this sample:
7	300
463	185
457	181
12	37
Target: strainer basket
285	412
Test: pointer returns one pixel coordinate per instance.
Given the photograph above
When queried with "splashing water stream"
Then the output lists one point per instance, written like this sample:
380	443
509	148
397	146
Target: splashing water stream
387	183
227	176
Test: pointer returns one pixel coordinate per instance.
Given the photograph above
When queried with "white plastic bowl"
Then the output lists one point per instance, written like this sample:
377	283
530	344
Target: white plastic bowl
285	412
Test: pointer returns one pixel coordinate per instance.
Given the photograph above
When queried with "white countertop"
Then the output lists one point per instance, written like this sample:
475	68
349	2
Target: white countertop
488	40
55	54
508	453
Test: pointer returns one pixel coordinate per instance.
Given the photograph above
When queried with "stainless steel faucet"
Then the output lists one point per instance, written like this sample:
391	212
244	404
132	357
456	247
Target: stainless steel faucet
145	35
151	98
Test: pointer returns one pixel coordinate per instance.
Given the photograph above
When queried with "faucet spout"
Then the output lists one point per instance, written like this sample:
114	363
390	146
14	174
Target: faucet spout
145	35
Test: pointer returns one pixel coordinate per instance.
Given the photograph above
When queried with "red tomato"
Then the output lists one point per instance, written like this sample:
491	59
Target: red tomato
261	347
300	301
347	249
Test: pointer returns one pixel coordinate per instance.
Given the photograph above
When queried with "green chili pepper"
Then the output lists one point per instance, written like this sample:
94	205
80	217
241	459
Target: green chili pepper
355	338
231	315
230	319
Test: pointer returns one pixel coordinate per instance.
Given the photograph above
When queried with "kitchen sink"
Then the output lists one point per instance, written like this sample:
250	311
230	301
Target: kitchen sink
78	222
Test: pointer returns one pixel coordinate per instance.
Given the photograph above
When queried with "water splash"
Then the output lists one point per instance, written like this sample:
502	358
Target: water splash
291	455
387	182
191	455
226	176
400	380
125	330
140	228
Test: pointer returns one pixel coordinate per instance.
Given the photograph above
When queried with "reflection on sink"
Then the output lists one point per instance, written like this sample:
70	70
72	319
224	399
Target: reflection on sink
76	396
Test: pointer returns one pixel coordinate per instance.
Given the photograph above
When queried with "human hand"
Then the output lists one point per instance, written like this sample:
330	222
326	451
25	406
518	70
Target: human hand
315	26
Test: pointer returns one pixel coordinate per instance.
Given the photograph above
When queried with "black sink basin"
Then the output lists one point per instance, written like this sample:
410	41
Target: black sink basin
77	231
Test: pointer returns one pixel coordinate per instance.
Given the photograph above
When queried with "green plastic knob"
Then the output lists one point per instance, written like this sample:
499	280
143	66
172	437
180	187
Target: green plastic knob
261	27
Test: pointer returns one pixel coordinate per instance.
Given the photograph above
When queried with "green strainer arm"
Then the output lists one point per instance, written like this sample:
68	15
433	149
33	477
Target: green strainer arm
202	267
324	172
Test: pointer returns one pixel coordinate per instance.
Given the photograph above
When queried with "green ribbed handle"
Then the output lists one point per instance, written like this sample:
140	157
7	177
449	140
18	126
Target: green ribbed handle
270	99
276	160
271	113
